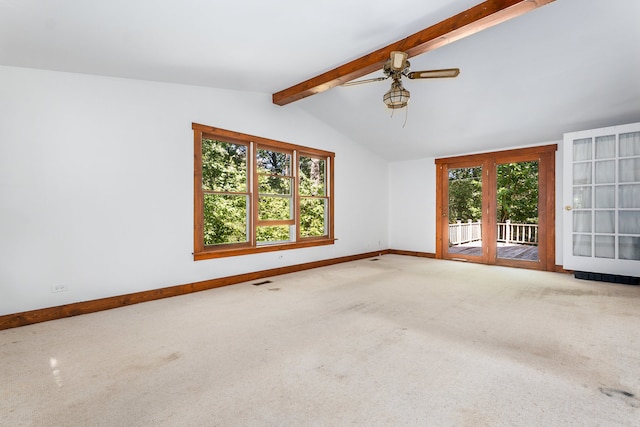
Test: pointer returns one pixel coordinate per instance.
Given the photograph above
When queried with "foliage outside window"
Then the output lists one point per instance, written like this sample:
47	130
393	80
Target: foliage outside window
253	194
517	193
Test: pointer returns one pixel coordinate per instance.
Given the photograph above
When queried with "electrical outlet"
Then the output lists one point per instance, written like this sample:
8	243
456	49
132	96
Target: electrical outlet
59	288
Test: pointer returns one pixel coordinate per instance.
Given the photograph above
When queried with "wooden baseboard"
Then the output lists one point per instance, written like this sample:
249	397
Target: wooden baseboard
412	253
42	315
560	269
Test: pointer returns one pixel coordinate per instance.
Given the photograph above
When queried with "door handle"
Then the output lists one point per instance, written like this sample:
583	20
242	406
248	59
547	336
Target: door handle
567	208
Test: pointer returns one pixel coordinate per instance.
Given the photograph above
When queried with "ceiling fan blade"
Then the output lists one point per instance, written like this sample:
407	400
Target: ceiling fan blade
358	82
434	74
398	60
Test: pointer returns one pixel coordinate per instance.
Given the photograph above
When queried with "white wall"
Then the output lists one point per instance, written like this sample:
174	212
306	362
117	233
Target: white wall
412	204
96	185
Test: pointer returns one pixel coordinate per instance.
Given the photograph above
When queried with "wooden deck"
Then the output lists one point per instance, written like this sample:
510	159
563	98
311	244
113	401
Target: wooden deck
508	251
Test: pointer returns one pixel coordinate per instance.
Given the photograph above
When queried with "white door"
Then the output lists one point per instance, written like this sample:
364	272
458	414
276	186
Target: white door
601	198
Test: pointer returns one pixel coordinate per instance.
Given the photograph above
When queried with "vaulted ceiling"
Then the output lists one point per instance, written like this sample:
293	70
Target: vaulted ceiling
569	65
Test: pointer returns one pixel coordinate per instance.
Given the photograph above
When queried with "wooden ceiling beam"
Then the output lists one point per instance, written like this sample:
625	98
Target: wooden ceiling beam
471	21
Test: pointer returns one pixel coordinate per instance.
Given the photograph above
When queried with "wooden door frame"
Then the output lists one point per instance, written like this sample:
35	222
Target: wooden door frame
545	155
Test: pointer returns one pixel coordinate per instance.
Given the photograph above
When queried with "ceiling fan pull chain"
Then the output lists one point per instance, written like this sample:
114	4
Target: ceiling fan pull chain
406	114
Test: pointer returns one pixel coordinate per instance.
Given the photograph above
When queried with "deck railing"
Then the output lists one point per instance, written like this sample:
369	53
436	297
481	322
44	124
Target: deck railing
467	232
523	234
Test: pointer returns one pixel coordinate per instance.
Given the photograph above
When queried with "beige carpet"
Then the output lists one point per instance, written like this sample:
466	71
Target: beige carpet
398	341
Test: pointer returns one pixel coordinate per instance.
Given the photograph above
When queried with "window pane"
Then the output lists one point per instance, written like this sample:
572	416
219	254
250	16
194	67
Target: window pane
630	170
605	196
312	217
629	248
274	162
606	172
605	147
581	173
582	221
224	166
312	176
605	247
225	219
465	194
581	197
270	184
274	208
582	149
629	222
581	245
630	196
605	222
273	233
630	144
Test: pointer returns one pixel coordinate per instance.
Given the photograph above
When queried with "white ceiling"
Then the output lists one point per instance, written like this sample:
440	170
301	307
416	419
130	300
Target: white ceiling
570	65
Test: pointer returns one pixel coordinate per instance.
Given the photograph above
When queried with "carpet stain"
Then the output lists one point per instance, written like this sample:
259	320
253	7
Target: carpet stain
173	356
555	292
574	292
154	363
626	396
357	307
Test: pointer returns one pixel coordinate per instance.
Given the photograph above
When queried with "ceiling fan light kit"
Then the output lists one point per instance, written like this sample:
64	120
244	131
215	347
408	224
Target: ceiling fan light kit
397	96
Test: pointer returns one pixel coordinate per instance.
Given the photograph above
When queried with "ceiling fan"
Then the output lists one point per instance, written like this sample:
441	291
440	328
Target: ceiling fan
396	67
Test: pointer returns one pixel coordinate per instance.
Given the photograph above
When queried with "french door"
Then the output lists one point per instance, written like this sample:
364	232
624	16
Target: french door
498	208
602	200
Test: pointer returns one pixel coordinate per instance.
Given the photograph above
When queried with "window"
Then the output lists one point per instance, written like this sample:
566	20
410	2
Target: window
253	194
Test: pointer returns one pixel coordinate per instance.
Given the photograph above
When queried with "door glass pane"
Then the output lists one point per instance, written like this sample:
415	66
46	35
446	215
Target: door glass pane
582	245
582	221
581	197
605	222
629	248
605	196
629	222
630	196
581	173
582	149
465	211
605	247
517	210
630	144
606	147
606	172
630	170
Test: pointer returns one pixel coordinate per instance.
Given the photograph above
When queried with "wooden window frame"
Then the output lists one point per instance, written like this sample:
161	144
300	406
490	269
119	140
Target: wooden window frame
326	196
253	143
